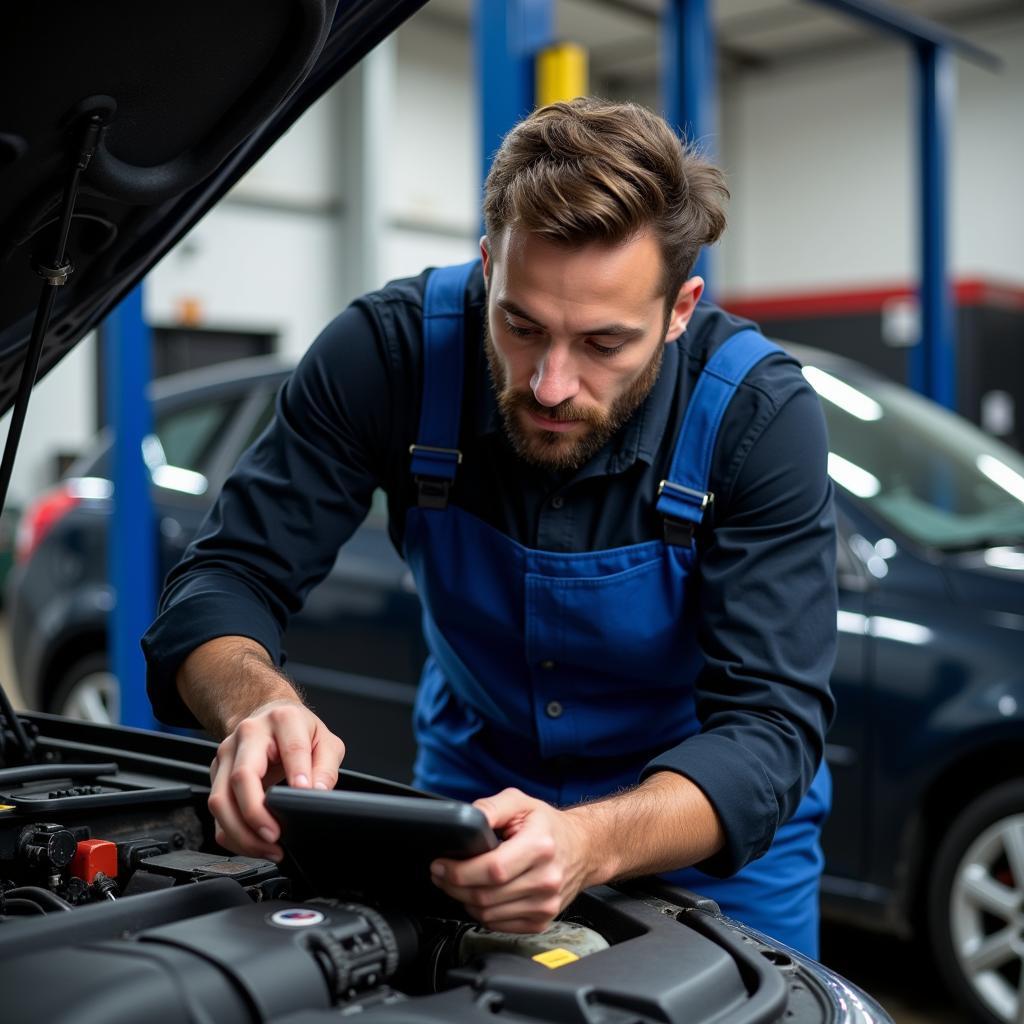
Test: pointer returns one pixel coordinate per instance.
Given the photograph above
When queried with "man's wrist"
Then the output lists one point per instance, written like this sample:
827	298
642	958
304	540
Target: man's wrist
600	856
226	679
664	823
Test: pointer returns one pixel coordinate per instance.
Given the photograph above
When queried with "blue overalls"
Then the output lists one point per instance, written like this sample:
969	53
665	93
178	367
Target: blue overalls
564	673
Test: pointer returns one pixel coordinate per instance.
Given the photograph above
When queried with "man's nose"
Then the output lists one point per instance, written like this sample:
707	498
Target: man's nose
555	380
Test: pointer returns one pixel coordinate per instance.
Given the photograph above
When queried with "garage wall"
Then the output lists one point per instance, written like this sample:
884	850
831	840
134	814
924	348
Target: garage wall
433	178
60	418
819	157
822	166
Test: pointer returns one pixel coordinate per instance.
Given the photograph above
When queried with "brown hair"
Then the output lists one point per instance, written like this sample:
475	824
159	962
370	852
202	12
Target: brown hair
592	170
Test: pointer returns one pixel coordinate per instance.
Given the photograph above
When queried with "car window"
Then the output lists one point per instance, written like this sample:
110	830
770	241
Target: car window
378	514
929	472
189	436
261	421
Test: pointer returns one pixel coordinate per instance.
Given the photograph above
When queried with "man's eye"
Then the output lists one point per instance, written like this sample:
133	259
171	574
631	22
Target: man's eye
521	332
605	350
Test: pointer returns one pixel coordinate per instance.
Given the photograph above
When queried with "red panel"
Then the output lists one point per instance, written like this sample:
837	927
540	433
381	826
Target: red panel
800	305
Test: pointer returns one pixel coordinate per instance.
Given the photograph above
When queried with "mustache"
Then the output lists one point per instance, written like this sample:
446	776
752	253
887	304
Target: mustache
564	412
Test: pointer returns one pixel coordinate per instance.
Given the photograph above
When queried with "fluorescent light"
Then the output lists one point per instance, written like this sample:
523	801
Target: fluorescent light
851	622
853	478
900	631
886	547
1005	558
839	393
153	452
1000	473
177	479
90	488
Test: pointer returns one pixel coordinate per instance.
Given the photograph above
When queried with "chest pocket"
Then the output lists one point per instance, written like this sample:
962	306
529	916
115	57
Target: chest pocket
628	628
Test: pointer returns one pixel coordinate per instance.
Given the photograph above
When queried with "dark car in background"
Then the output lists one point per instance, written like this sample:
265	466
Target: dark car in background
927	752
356	646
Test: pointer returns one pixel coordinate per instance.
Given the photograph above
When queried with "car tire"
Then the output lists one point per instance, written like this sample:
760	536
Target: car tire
976	905
87	690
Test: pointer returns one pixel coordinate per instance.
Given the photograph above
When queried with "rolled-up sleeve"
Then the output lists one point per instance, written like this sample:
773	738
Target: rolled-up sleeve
767	600
295	496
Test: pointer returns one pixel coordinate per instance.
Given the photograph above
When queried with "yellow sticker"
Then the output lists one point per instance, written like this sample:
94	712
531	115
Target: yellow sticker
555	958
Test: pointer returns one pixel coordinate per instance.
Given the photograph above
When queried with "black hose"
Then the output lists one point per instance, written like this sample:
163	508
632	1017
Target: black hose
23	905
43	897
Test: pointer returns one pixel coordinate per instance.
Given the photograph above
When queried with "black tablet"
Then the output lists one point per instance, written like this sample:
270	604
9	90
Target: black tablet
375	847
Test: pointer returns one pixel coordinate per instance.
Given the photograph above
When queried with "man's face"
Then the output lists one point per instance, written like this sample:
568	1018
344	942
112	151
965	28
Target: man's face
575	339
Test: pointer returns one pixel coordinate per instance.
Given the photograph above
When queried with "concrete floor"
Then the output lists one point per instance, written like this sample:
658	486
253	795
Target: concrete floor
897	974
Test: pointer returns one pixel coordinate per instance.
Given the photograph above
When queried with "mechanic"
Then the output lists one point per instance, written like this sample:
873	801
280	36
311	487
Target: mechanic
617	513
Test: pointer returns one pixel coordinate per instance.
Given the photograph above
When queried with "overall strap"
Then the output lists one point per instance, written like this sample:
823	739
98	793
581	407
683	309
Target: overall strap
435	454
683	495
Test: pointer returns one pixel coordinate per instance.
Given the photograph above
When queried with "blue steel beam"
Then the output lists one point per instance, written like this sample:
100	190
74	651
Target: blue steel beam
131	541
933	362
914	28
508	34
689	79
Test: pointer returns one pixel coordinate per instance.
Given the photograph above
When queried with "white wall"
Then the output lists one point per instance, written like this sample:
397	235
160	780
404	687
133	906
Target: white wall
988	162
433	176
61	416
822	165
251	268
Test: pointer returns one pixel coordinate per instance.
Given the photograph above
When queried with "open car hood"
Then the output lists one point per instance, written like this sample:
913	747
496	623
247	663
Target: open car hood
191	95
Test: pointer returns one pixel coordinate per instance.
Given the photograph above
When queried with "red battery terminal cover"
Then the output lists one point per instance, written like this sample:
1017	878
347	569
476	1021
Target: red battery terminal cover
94	856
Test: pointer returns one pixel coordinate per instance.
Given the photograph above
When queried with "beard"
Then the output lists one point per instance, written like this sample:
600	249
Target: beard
550	449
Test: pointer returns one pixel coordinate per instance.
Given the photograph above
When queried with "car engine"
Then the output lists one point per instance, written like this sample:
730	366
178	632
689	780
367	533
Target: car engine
117	906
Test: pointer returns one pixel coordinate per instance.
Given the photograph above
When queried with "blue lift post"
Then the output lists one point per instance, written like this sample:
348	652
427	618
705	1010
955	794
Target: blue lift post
933	361
508	34
131	541
689	86
933	365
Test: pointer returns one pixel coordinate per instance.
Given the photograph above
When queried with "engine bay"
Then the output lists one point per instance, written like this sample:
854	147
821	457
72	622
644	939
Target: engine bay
116	905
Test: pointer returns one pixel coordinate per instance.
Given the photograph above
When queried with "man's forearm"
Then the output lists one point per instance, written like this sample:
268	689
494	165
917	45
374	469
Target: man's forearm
665	823
226	679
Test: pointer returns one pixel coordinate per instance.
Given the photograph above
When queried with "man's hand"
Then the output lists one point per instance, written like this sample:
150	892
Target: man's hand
282	739
232	686
549	855
532	876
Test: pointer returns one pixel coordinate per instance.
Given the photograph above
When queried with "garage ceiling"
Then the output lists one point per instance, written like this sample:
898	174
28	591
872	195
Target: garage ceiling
622	35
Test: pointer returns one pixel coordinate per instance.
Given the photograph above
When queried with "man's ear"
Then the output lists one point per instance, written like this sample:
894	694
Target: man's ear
686	302
485	256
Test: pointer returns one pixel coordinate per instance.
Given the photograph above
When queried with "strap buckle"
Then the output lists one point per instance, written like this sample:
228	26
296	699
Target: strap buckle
431	492
680	532
445	453
706	497
432	489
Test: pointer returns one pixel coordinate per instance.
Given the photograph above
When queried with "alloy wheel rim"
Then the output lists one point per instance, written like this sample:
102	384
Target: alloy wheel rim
95	698
987	917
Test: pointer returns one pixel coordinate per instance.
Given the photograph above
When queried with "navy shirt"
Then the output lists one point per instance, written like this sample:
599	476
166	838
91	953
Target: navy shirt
343	426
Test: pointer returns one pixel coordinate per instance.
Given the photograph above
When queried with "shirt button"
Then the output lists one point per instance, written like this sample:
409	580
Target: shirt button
554	709
557	501
547	665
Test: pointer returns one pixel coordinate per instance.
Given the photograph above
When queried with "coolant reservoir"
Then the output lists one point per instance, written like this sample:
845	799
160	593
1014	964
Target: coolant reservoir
562	943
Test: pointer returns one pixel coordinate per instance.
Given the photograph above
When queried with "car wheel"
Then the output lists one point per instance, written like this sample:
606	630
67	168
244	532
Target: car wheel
88	690
976	905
